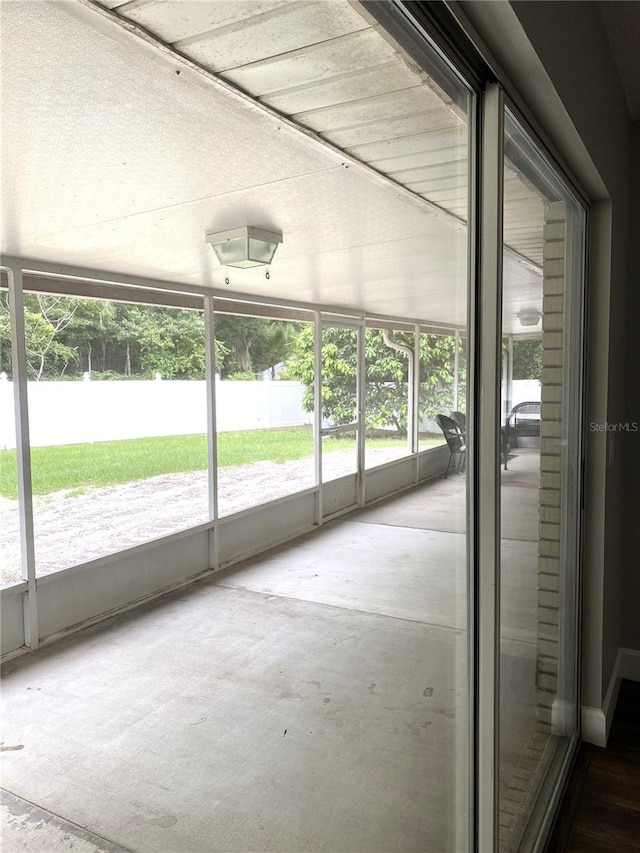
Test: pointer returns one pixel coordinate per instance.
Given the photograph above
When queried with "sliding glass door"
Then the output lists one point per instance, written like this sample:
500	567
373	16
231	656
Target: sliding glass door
539	484
428	295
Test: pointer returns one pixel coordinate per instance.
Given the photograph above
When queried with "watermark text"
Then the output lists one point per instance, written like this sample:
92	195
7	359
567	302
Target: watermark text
626	426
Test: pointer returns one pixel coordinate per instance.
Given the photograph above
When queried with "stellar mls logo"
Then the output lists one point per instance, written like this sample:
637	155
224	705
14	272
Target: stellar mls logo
619	427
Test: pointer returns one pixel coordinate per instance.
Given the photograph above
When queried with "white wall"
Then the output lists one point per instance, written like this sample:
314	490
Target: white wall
631	580
79	412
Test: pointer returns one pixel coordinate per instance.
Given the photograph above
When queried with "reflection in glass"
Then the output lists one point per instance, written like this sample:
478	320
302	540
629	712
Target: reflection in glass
543	235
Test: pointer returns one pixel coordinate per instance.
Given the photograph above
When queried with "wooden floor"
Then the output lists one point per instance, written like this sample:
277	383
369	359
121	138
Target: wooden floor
601	809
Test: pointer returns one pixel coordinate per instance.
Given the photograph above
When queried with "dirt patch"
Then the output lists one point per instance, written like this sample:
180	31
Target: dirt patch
72	527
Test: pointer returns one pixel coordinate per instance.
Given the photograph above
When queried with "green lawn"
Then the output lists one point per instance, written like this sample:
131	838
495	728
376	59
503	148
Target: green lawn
75	466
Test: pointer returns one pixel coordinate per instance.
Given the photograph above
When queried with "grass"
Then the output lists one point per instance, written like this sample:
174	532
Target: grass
78	466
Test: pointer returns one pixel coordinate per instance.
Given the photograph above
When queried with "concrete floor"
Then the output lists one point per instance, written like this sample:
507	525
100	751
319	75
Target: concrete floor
312	699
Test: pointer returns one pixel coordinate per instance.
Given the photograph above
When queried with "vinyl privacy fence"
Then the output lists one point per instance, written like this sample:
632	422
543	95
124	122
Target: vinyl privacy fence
85	411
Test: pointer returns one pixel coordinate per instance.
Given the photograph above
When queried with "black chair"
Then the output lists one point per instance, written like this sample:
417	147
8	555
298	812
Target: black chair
455	441
461	420
523	422
504	446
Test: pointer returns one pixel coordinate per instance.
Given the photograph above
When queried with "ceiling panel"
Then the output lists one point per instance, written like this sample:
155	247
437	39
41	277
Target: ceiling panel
349	53
173	20
324	66
120	157
132	132
320	63
392	105
455	172
272	33
451	138
420	159
305	97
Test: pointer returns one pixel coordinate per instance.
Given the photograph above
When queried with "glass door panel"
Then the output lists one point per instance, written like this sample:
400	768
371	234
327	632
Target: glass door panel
539	483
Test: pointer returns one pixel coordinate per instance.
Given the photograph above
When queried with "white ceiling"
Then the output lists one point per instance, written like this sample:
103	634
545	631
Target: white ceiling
119	156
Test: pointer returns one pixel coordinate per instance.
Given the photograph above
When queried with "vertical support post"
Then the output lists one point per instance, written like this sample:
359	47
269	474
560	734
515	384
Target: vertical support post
456	371
317	412
416	396
212	431
360	394
23	456
411	402
467	646
509	400
486	437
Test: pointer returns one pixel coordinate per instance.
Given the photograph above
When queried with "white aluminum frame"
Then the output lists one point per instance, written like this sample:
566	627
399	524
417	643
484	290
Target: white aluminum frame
204	299
212	429
23	455
541	820
487	444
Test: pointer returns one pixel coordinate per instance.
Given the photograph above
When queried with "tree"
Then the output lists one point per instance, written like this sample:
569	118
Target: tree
254	344
172	343
67	336
386	399
5	334
437	373
93	326
527	359
45	319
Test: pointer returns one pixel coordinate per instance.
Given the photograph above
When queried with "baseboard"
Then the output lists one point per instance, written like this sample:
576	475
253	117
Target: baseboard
563	718
629	664
596	722
594	726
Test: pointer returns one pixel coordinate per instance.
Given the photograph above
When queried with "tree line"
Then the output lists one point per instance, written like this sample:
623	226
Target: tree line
67	337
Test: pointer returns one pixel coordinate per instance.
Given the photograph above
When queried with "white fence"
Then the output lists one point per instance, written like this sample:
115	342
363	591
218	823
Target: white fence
81	412
522	391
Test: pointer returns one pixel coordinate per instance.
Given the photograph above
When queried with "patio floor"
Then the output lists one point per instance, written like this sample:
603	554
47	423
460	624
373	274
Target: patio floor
311	699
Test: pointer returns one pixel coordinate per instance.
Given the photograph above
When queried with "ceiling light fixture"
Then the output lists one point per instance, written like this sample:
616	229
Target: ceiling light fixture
245	247
529	318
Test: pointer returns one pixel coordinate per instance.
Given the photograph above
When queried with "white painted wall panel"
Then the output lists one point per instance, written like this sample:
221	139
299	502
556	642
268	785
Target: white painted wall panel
71	597
11	620
433	462
391	478
258	530
338	495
